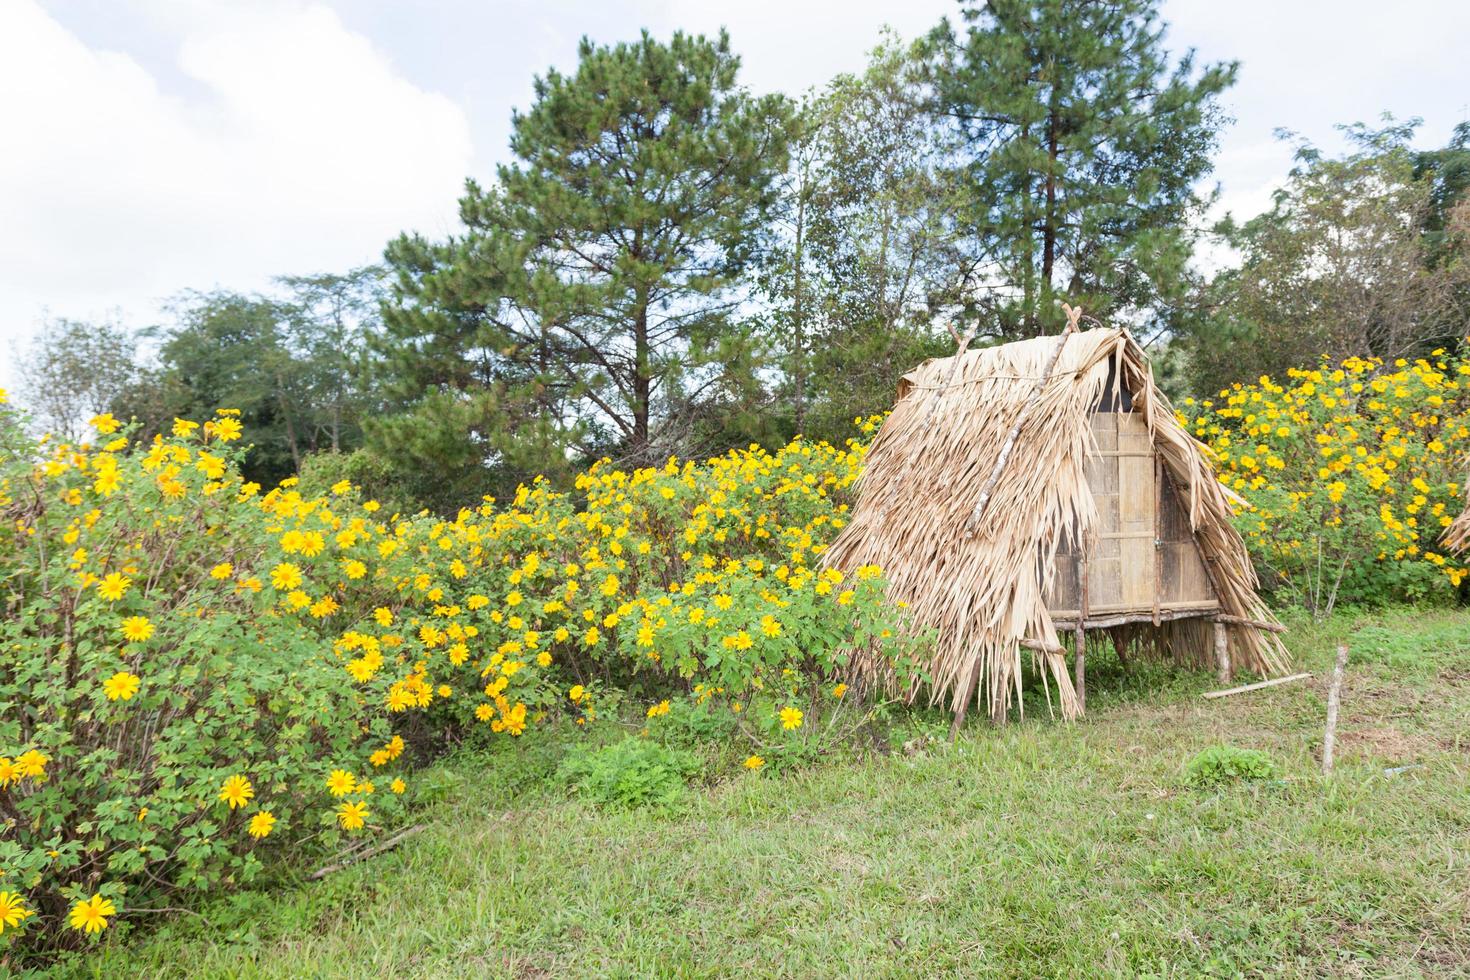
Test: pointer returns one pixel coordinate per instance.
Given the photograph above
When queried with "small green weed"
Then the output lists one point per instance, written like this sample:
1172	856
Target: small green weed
1219	765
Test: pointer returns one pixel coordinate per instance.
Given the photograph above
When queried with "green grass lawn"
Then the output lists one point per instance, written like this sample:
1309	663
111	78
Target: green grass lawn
1033	849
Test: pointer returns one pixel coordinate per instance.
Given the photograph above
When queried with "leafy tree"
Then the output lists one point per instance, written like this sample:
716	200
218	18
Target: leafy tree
1082	147
71	371
867	260
330	317
475	396
290	365
1355	257
593	303
1447	170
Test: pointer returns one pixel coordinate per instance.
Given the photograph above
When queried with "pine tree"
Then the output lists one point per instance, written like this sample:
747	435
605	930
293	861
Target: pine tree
1083	147
593	303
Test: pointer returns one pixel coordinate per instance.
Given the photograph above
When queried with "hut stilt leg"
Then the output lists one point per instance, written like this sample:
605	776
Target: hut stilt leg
1079	668
1222	653
971	683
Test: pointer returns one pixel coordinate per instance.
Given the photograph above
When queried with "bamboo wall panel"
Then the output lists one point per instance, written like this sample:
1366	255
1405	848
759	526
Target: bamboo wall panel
1142	542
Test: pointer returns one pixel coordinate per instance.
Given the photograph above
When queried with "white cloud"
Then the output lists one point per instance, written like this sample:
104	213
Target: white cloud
288	143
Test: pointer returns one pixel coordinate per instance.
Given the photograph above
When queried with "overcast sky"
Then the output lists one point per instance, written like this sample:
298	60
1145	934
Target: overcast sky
151	146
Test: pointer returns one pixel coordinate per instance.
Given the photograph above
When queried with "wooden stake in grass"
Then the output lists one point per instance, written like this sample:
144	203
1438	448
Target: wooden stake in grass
1334	701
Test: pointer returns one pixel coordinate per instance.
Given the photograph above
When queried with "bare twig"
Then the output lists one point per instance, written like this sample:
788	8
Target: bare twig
354	857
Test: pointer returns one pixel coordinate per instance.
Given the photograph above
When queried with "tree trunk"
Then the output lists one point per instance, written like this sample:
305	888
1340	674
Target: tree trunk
290	426
1049	223
642	373
798	314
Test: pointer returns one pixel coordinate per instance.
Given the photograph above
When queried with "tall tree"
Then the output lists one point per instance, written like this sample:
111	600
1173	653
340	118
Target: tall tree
72	370
288	364
868	262
1357	256
599	281
330	317
1083	148
474	400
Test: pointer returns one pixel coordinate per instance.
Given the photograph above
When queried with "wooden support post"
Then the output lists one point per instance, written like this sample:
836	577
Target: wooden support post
968	694
1222	653
1334	702
1079	664
1079	668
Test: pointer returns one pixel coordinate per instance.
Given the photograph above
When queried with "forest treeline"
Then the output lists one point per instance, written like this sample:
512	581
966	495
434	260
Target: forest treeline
670	264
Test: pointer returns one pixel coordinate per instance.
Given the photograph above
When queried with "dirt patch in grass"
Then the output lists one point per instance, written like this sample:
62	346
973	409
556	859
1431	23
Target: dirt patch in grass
1387	743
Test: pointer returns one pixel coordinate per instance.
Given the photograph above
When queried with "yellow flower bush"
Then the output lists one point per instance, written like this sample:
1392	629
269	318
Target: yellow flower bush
198	672
1348	473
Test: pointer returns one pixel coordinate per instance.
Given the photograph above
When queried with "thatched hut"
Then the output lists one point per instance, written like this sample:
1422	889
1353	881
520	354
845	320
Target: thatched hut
1021	495
1457	535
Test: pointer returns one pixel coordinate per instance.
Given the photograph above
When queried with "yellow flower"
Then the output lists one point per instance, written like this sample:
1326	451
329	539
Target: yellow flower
754	762
341	487
222	571
398	786
91	915
183	428
121	686
105	423
113	586
341	782
136	629
224	429
791	718
12	910
261	824
9	771
662	708
237	791
285	577
577	692
352	816
32	764
839	690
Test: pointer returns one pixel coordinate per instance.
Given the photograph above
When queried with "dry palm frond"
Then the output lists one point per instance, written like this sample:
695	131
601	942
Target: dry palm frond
982	588
1457	537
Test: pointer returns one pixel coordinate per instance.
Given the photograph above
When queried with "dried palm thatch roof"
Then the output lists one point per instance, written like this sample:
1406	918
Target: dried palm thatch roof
1457	536
980	581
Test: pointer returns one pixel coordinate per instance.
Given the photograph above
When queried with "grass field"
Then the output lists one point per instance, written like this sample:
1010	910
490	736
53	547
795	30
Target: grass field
1033	849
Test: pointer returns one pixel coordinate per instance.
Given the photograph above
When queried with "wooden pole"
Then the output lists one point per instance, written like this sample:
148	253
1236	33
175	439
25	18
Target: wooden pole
1334	702
1252	623
1079	663
1079	668
971	683
1222	653
1256	686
